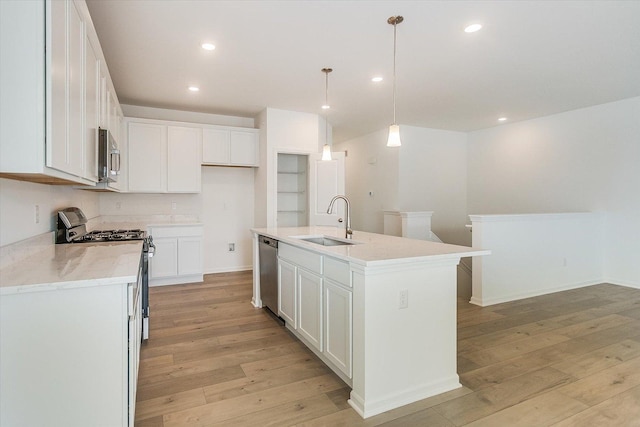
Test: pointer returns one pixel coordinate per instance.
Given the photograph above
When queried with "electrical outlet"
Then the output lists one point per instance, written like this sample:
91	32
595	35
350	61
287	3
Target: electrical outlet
118	205
37	214
232	247
174	206
403	301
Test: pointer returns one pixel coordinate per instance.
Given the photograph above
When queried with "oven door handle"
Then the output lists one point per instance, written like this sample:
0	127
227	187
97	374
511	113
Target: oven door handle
152	248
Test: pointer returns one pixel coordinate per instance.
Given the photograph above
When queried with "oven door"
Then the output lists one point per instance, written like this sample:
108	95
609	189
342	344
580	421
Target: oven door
148	249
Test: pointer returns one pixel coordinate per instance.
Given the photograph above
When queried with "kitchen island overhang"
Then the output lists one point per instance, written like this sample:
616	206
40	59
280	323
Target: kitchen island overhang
400	355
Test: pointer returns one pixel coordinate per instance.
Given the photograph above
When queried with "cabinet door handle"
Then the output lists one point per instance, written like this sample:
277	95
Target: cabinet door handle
115	161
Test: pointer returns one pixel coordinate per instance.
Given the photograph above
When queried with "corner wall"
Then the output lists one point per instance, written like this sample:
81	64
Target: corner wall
581	160
17	207
370	167
428	173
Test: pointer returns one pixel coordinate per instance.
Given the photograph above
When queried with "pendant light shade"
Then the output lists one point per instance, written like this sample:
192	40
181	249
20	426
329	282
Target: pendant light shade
326	149
394	129
326	152
394	136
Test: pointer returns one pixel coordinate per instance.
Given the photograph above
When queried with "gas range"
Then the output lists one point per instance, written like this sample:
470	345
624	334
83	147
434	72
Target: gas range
72	228
111	236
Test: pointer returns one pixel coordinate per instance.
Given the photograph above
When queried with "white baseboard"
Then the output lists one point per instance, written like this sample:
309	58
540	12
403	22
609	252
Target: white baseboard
624	283
229	269
396	400
484	302
195	278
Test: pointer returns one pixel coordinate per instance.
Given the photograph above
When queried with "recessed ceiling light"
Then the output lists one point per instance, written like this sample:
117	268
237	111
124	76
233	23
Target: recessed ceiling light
472	28
502	119
208	46
376	79
194	88
326	107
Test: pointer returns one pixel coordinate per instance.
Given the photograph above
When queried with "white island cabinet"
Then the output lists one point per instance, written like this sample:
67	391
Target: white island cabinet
70	330
380	311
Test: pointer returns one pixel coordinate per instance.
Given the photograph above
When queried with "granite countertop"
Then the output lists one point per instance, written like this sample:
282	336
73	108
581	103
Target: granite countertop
73	265
370	248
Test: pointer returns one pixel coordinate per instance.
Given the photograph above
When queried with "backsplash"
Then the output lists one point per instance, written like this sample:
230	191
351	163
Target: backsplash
19	202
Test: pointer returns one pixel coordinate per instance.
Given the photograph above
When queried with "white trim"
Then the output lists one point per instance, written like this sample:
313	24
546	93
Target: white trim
229	269
529	217
483	302
392	401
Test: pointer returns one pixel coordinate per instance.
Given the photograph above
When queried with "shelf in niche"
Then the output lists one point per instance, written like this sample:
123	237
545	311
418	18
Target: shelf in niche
292	173
291	212
291	192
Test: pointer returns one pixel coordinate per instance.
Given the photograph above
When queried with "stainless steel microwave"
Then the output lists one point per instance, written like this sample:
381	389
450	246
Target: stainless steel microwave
108	157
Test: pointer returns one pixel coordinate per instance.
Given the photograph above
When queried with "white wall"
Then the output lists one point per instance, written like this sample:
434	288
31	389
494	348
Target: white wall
281	131
433	177
370	166
535	254
427	173
225	206
186	116
17	207
581	160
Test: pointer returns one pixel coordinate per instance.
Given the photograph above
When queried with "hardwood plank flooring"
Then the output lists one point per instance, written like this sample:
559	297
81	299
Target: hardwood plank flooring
568	359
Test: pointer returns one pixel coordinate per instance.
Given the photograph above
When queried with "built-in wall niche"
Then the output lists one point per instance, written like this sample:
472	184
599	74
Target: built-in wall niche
292	190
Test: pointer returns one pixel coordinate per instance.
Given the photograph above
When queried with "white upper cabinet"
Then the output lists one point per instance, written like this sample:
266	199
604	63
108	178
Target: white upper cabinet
92	109
184	171
244	148
163	158
226	146
49	106
65	148
215	146
147	158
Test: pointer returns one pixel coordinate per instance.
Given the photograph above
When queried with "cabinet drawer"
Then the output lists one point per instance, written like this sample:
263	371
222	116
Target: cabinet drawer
337	270
175	231
300	257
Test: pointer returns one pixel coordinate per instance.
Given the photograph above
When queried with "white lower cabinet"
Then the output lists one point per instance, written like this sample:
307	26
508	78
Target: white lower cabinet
165	260
287	294
310	307
338	313
316	301
178	255
69	356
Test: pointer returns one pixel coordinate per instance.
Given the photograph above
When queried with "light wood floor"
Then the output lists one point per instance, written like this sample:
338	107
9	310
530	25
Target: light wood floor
565	359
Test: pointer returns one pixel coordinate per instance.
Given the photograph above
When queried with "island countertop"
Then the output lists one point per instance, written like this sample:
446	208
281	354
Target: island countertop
73	265
370	249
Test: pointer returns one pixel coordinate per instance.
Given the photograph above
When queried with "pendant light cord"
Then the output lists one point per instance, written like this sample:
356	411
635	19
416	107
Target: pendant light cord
394	72
326	102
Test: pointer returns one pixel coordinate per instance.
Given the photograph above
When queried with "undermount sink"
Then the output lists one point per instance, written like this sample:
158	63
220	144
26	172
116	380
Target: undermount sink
325	241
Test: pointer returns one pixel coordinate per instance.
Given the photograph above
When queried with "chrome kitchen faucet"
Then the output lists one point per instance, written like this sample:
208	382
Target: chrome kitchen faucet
348	232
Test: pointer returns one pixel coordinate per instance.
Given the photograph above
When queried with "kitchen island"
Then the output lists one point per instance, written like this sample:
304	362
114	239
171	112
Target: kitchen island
385	316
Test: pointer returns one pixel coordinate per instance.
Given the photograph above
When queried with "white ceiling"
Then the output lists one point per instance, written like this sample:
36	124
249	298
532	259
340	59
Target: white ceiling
531	59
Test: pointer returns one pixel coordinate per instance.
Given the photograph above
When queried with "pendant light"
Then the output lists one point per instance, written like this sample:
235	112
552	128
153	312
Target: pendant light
326	149
394	129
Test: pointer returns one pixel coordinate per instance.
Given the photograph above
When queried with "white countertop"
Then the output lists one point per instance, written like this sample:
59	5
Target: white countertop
73	265
371	248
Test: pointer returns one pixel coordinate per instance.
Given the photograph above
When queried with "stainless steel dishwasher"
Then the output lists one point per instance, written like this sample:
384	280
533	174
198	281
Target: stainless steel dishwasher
268	257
